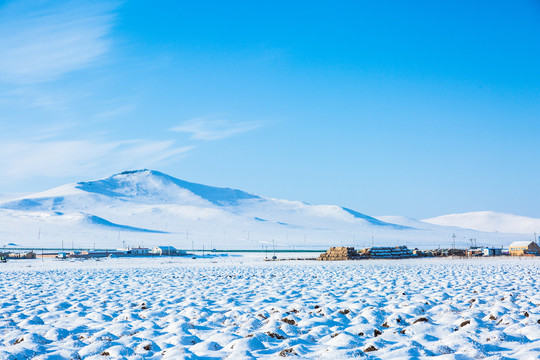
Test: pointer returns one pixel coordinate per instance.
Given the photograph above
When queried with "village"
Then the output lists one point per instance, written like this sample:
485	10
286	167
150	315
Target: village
83	254
518	248
515	249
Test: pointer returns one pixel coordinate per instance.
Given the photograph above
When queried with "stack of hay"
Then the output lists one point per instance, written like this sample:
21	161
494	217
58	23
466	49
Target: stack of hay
340	253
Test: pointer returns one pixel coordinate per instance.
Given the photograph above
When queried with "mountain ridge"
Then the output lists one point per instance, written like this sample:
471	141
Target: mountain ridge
149	206
490	221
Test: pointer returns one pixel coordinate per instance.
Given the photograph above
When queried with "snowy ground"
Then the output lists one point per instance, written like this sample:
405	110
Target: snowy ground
243	308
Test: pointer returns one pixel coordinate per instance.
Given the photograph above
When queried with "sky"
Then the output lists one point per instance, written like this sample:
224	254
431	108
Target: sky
417	109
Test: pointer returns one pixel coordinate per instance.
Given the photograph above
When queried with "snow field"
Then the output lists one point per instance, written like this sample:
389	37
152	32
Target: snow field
244	308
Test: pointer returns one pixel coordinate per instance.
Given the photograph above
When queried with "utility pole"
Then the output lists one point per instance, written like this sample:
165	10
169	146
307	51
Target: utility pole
454	241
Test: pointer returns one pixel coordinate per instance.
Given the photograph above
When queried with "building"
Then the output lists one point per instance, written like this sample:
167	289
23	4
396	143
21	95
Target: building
28	255
97	254
524	248
474	252
166	250
491	252
139	251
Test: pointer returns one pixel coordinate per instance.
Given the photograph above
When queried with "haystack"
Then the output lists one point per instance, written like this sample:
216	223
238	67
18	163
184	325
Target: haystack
340	253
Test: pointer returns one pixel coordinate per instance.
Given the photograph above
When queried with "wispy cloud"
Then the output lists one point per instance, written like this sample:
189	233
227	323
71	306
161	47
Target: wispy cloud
55	159
44	40
114	112
213	128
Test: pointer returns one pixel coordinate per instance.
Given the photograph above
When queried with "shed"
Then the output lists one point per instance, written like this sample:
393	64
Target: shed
492	252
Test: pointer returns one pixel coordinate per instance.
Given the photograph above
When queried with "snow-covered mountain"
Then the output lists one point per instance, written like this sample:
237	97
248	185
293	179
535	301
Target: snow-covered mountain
149	207
489	221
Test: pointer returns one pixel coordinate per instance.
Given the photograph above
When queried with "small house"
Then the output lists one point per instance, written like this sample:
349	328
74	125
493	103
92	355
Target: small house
491	252
524	248
164	250
474	251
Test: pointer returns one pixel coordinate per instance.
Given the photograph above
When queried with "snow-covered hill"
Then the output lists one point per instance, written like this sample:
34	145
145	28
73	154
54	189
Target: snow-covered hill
489	221
149	207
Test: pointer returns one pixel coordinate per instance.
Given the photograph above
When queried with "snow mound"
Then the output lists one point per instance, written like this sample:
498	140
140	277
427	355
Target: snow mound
489	221
247	308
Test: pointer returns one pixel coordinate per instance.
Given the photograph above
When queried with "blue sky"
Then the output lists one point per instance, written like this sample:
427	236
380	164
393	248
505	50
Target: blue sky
418	109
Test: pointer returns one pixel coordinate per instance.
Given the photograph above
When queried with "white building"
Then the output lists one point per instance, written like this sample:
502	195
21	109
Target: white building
166	250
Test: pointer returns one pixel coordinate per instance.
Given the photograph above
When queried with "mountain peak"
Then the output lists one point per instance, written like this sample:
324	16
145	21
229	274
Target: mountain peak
129	172
155	185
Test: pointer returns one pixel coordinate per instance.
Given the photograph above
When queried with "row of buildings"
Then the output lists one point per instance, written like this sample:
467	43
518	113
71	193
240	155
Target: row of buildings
137	251
518	248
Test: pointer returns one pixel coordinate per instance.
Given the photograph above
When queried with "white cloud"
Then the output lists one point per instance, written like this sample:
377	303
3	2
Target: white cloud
212	128
24	159
44	40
